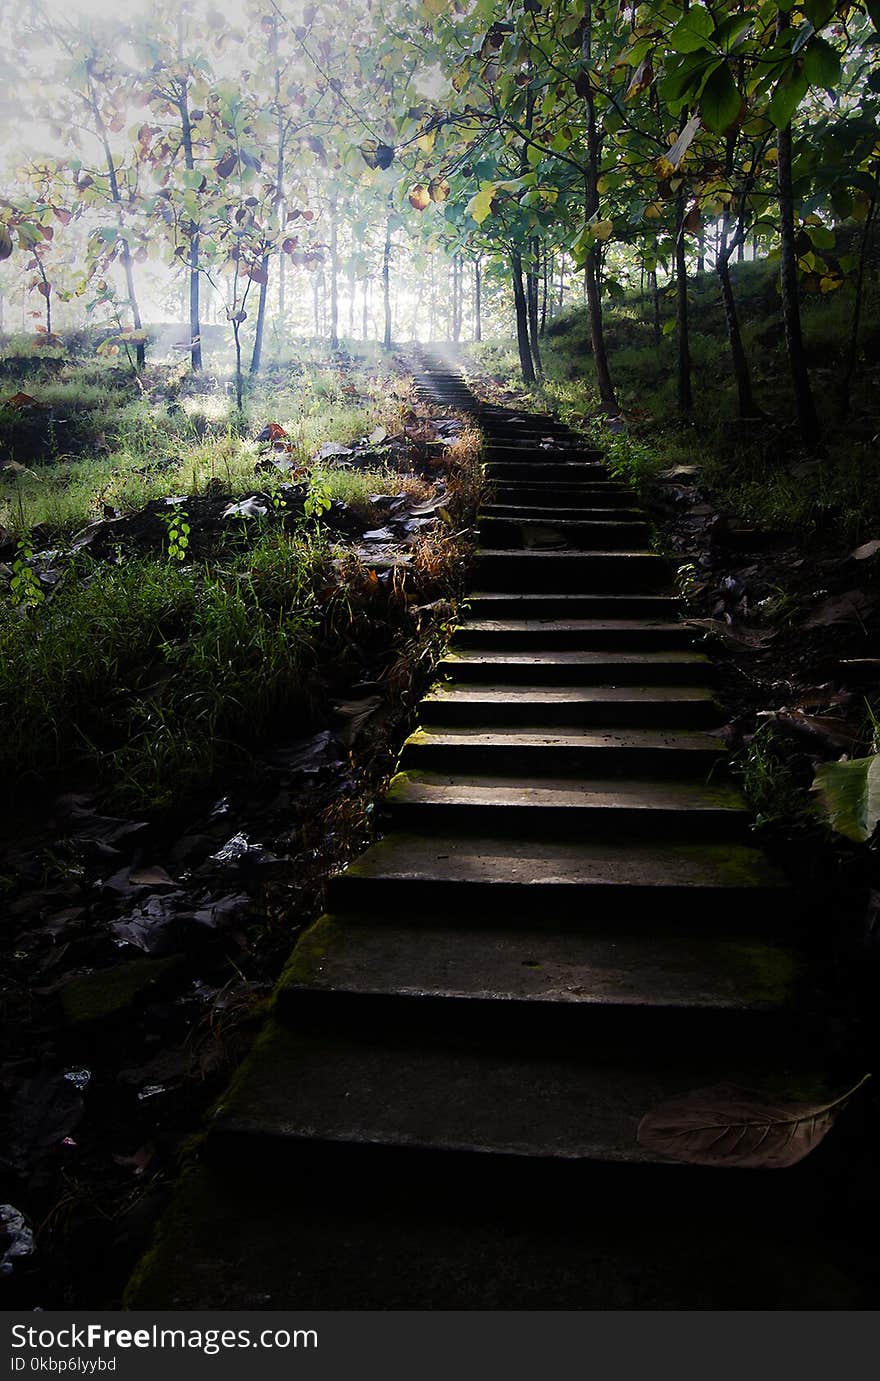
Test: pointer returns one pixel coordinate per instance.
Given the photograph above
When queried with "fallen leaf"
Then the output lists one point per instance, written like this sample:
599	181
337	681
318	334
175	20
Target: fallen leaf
866	550
150	877
851	607
730	1126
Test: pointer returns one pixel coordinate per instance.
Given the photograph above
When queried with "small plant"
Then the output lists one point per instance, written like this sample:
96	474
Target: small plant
25	589
318	498
177	527
686	580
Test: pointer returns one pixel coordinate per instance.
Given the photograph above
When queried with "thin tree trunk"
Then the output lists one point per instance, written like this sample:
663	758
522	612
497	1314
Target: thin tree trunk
685	391
591	206
791	311
478	300
277	203
125	252
365	323
853	346
195	327
526	363
655	306
741	371
334	274
386	283
532	304
542	329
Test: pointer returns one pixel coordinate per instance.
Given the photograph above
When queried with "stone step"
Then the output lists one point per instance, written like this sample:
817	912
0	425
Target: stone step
599	493
562	668
620	886
567	571
574	634
356	973
545	471
491	706
528	750
562	808
579	535
424	1095
493	604
581	512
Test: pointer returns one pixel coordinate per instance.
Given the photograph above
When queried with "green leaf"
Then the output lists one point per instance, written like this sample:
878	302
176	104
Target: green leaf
693	31
804	34
480	204
821	64
720	102
819	12
849	796
787	96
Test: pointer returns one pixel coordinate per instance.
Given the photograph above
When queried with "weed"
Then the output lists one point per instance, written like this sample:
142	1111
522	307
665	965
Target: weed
25	590
177	528
768	782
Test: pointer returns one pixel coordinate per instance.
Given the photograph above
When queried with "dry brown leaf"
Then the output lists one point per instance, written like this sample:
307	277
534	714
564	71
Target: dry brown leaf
730	1126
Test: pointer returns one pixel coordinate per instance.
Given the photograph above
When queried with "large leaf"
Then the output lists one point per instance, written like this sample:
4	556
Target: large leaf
849	796
480	203
693	31
720	102
786	98
821	64
5	243
730	1126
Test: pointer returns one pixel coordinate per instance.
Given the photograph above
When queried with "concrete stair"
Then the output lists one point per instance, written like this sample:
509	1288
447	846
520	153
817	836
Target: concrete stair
566	922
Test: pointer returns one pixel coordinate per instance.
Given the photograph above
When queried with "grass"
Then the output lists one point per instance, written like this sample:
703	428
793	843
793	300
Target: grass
153	673
96	439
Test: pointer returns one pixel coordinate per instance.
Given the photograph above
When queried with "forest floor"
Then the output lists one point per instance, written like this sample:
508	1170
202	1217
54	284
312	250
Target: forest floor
200	737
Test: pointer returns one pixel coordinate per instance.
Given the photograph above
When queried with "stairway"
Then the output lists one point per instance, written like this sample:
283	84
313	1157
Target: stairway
565	923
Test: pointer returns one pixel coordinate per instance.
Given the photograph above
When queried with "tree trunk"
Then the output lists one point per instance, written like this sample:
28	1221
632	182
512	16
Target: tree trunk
334	274
741	372
478	300
195	327
522	322
386	284
591	207
532	303
365	316
685	391
547	272
791	311
655	306
853	346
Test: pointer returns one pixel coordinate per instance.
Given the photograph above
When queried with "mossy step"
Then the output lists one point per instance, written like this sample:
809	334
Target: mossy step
581	513
549	471
595	884
575	751
573	633
561	807
507	604
460	1097
582	534
571	571
492	706
289	1224
523	975
559	667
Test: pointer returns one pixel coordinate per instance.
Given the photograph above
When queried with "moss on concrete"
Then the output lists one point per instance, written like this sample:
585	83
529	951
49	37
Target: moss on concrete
97	996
